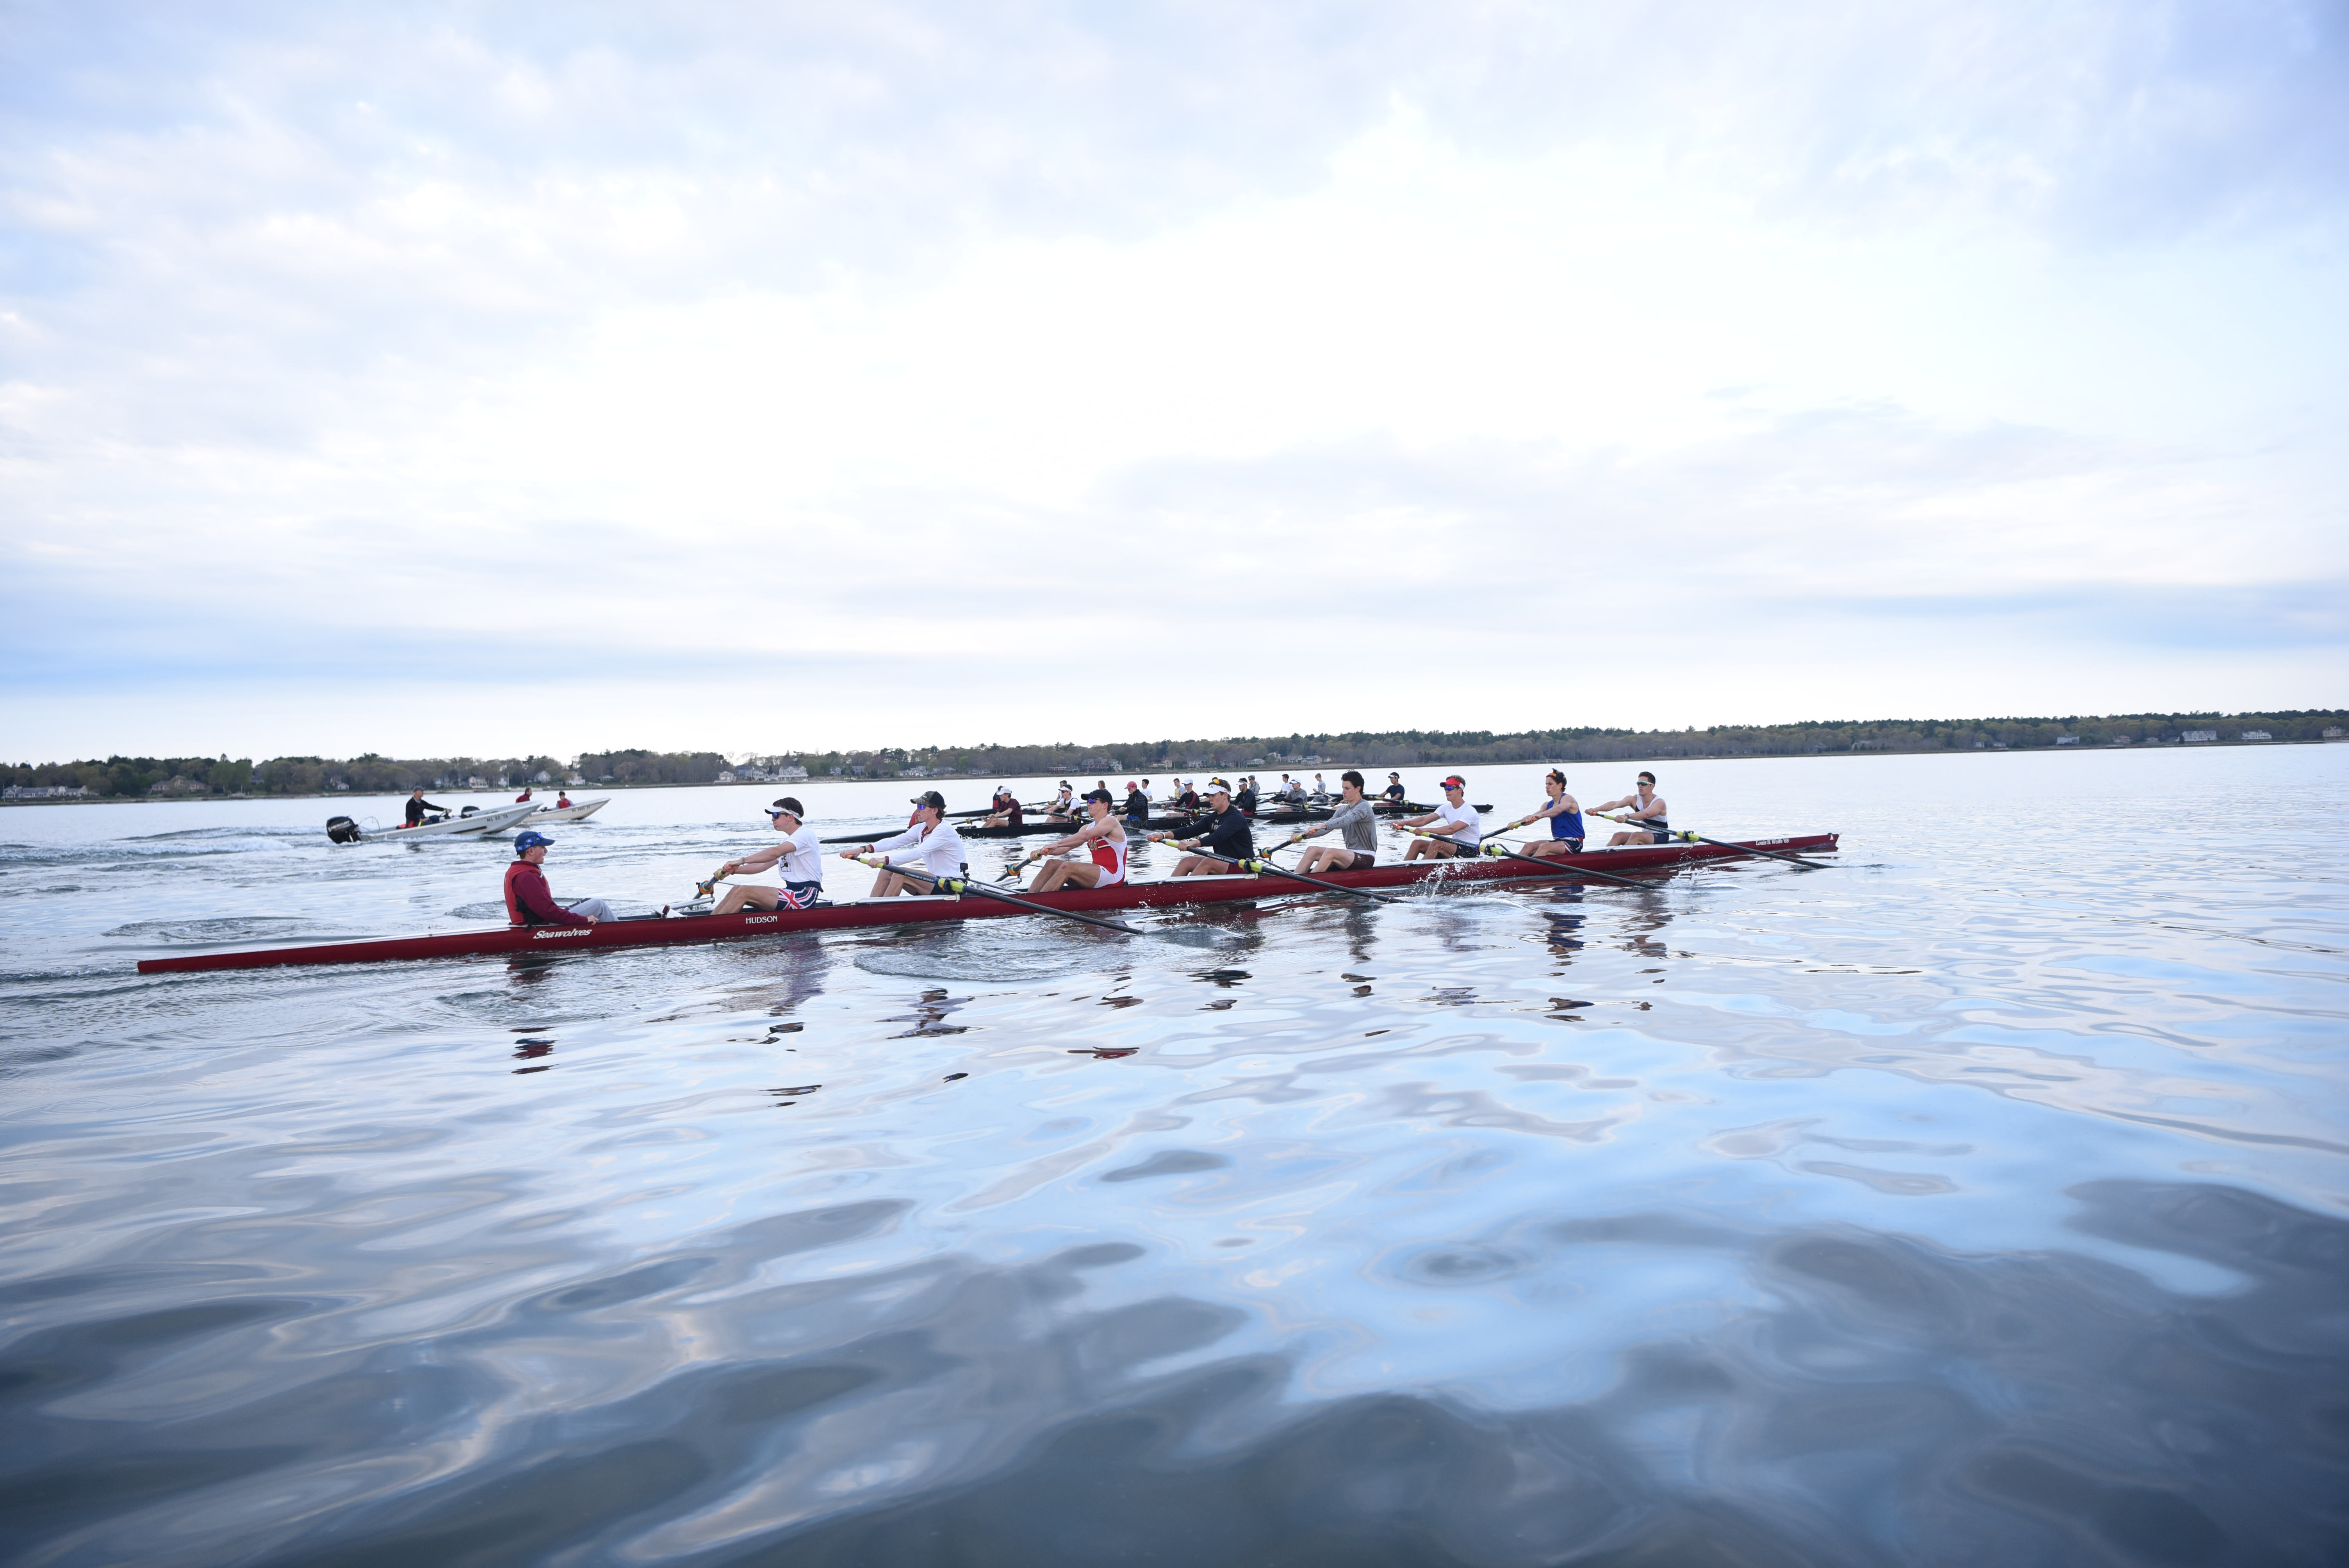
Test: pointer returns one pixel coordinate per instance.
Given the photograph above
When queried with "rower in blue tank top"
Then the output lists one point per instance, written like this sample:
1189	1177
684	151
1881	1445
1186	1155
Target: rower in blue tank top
1564	814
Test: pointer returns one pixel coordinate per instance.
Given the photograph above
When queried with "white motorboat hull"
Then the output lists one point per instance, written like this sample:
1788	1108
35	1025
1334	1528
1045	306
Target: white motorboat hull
579	813
481	824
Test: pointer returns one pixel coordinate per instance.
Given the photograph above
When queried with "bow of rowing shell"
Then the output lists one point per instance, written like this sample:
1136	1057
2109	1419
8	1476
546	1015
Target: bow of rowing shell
907	911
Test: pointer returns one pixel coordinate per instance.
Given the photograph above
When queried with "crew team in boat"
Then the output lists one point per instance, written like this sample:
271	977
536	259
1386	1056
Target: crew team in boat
799	854
1647	814
1103	839
1225	836
1457	828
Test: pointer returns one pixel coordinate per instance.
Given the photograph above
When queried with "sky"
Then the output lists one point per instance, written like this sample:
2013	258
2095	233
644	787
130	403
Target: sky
513	378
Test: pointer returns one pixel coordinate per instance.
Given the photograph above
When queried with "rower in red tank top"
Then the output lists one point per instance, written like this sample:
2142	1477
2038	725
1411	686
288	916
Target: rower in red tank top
1103	836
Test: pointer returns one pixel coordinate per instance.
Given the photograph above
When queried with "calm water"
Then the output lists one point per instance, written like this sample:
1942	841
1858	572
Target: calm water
1980	1200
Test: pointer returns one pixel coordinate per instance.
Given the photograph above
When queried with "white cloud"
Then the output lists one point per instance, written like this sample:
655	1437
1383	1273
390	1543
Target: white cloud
775	341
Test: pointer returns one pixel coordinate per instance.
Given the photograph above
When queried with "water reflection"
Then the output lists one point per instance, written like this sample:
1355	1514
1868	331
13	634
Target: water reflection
1892	1402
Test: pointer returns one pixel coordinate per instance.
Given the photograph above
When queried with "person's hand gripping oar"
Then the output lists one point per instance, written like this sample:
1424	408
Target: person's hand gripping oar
1266	868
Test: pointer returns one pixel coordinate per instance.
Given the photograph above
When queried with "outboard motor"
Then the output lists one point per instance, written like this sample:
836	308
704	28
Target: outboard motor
342	830
468	811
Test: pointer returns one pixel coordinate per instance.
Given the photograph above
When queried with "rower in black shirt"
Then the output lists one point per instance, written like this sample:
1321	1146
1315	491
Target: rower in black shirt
417	805
1245	800
1226	831
1394	790
1137	805
1190	799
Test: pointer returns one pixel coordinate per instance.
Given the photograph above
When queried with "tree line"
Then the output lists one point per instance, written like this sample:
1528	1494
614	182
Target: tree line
135	777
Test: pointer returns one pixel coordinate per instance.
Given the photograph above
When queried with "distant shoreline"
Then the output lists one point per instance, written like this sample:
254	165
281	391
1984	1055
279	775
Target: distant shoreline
1325	765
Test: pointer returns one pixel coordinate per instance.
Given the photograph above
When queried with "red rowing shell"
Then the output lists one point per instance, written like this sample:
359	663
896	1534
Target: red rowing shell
913	910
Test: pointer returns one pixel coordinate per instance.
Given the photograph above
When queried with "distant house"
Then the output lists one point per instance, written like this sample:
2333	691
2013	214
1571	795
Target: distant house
2334	732
2196	737
175	785
2255	735
43	792
726	776
789	773
2067	740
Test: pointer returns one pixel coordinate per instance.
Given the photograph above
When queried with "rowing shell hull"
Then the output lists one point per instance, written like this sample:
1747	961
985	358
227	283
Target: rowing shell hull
545	815
879	912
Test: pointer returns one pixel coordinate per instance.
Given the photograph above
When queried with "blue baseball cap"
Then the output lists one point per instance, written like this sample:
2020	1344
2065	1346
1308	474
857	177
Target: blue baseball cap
530	839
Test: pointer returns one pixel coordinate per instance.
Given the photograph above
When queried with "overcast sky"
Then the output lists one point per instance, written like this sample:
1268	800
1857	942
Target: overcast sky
510	377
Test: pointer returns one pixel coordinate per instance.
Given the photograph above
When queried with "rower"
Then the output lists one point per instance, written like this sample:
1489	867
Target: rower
1137	802
1104	839
417	805
1355	818
1246	798
1648	813
801	855
530	901
1296	791
932	838
1394	790
1227	833
1564	814
1189	799
1321	790
1457	828
1007	812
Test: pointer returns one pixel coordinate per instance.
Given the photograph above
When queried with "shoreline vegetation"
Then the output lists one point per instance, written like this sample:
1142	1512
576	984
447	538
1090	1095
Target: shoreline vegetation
181	778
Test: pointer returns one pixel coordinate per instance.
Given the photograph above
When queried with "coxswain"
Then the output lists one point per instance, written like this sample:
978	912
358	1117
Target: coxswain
1137	804
1357	819
530	901
1103	840
417	805
800	855
1394	790
1648	816
1562	811
1456	827
1225	831
930	837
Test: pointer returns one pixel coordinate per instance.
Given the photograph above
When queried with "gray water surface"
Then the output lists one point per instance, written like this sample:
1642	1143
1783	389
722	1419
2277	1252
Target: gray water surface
1979	1200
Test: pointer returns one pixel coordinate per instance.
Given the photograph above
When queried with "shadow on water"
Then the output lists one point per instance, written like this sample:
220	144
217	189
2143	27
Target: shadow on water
1895	1403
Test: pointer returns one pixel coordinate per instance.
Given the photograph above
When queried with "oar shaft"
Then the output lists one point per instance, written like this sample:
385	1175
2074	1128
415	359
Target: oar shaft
1279	871
1493	849
964	886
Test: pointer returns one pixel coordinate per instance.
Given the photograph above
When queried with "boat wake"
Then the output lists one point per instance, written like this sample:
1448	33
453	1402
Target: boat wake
234	928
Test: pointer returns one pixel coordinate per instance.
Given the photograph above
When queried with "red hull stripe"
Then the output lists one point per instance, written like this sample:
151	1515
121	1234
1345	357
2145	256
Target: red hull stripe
1173	892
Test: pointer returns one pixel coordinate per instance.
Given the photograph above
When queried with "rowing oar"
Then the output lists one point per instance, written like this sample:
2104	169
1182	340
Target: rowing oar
962	885
1267	866
1490	847
1721	843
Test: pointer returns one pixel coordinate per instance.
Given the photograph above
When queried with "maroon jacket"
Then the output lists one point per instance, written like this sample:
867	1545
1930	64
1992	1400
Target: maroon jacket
530	901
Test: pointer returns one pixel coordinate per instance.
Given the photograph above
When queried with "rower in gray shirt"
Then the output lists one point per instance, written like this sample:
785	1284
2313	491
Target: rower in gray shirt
1354	819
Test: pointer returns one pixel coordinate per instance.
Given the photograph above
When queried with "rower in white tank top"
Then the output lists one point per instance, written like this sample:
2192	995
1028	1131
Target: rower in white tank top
1103	838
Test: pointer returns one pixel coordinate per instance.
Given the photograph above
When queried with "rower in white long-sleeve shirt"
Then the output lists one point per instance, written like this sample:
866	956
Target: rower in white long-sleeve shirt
930	839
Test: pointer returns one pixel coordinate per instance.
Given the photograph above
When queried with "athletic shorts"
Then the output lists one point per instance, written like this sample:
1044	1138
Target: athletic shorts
799	894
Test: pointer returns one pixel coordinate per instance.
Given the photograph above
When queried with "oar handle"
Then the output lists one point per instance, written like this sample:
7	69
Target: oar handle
965	885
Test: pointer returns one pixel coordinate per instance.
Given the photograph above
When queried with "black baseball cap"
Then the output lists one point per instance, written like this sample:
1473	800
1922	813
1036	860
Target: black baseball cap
931	797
